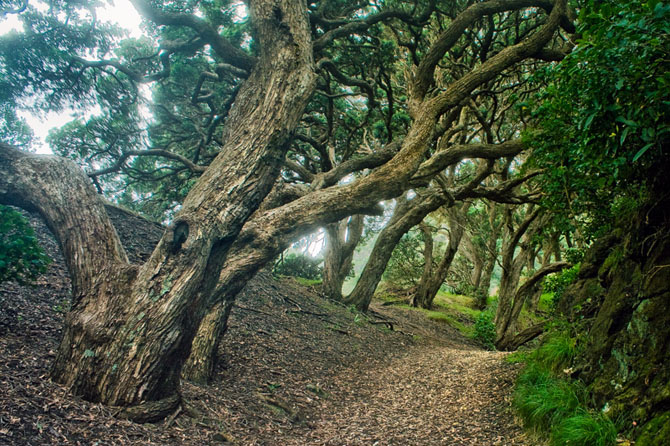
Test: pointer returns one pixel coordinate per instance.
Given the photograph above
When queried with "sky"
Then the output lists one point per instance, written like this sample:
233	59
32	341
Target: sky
121	12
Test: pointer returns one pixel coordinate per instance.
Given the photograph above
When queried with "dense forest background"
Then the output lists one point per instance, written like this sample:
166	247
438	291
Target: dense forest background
511	151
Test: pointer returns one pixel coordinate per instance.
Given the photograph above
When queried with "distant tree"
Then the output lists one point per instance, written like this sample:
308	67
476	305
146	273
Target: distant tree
299	265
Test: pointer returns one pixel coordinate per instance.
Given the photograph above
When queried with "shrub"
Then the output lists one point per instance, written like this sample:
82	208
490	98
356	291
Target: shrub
21	257
298	265
485	330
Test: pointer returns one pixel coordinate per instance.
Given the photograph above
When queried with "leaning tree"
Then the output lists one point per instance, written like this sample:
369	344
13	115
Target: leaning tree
131	327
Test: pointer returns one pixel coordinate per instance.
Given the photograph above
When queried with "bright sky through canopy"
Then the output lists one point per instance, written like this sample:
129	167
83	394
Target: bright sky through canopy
120	12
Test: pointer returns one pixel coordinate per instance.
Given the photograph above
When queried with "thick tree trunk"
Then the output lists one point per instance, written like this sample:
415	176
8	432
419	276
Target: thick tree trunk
130	329
342	237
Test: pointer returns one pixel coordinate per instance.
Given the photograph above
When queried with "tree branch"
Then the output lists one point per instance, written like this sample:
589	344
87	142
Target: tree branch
151	152
453	154
207	33
357	26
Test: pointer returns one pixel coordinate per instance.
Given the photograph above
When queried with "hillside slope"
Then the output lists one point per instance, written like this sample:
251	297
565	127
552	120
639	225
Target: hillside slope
295	369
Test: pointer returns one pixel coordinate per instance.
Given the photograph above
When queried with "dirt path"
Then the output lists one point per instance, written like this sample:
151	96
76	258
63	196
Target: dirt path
431	396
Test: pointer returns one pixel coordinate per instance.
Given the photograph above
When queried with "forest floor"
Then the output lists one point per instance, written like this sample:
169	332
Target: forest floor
295	369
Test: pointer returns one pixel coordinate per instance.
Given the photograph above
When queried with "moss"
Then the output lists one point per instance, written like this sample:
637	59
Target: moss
612	261
656	432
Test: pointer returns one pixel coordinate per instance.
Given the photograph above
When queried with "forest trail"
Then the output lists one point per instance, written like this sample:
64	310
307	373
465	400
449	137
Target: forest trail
432	396
295	369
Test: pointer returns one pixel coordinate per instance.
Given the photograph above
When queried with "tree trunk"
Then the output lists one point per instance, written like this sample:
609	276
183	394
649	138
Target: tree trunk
130	328
427	263
342	237
407	214
429	286
482	292
507	338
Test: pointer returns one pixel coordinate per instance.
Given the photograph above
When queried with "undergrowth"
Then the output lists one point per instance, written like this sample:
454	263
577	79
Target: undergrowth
555	406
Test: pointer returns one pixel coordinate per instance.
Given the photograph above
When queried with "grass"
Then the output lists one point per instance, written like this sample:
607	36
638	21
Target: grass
584	429
555	406
307	282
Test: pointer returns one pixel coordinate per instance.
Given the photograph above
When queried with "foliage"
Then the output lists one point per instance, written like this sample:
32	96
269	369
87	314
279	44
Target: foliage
21	257
14	129
298	265
558	282
554	405
603	124
485	330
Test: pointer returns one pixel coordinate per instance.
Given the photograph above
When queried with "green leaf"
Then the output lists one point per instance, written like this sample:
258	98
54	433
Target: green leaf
642	151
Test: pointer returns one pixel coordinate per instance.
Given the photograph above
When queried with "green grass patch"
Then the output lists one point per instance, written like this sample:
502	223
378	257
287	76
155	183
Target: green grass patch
556	353
456	303
307	282
584	429
555	406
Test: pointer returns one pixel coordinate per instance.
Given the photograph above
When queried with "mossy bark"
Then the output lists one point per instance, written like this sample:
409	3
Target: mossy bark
621	299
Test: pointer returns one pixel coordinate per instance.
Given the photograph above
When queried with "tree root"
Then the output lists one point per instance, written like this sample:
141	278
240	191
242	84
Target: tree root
150	411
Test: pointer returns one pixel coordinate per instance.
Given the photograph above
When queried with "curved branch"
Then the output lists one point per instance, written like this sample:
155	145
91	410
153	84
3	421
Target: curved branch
357	26
227	51
326	179
151	152
133	75
450	36
61	193
349	81
453	154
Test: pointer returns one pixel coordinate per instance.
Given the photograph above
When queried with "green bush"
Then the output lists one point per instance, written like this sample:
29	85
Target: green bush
21	257
558	282
485	330
298	265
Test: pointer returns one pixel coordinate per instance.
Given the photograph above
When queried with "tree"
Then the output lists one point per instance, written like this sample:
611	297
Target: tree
131	327
342	237
433	278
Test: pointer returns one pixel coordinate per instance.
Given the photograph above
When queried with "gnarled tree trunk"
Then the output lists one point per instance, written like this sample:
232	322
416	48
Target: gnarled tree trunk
432	280
130	328
342	237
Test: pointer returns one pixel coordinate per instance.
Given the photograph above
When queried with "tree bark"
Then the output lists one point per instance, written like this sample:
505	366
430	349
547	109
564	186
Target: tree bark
130	328
430	285
342	237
